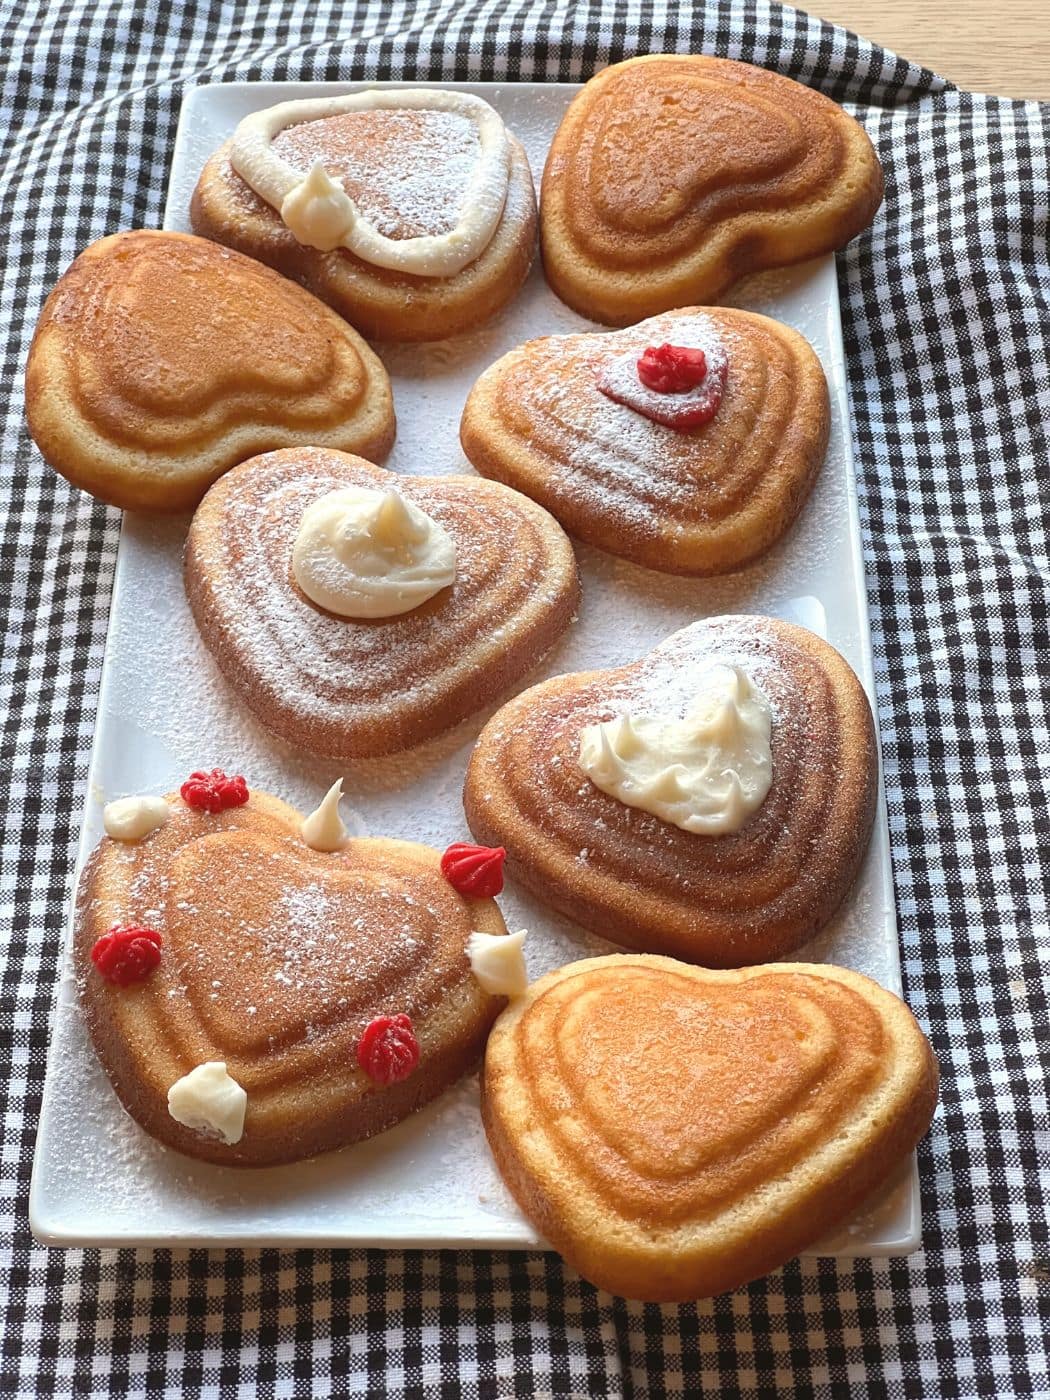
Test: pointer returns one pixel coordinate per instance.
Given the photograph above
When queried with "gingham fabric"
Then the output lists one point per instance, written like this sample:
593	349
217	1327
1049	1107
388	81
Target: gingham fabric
945	304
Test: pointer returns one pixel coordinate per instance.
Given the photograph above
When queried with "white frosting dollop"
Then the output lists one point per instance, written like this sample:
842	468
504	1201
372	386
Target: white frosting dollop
323	829
318	210
498	962
705	773
429	255
209	1100
132	818
363	553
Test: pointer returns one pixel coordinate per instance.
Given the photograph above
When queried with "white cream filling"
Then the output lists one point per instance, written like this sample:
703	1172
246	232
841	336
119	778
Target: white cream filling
705	773
318	210
498	962
364	553
132	818
322	215
209	1100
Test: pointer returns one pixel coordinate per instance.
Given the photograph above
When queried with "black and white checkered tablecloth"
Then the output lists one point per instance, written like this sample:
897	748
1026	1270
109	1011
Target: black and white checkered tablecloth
946	306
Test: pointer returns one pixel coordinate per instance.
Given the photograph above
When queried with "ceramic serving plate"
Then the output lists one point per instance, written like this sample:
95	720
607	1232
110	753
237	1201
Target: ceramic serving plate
164	710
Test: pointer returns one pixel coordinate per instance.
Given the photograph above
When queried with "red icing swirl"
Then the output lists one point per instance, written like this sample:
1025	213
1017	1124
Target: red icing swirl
677	386
214	792
476	871
672	369
127	954
388	1050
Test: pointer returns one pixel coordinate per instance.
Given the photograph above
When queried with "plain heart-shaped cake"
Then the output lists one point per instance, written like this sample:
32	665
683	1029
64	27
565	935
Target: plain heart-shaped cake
671	176
411	212
160	360
712	801
696	468
676	1132
359	613
255	999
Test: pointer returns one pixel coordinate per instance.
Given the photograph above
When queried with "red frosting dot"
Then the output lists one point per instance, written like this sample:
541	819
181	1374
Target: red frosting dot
127	954
214	792
672	369
474	870
388	1049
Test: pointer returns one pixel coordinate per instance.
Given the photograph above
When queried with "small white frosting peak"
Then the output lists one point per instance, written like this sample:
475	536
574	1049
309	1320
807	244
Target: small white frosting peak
318	210
132	818
323	829
705	773
209	1100
498	962
365	553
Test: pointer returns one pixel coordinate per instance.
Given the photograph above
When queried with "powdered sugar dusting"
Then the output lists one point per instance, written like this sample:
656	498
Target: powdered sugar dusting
664	684
602	454
619	380
275	945
667	679
407	171
344	672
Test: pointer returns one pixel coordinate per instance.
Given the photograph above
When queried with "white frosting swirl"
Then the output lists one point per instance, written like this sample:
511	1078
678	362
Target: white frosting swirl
318	210
363	553
705	773
209	1100
498	962
132	818
322	220
323	829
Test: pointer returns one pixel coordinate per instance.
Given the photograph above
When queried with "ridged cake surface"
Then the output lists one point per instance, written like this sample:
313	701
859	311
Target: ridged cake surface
721	900
161	360
672	176
705	500
349	688
275	957
675	1132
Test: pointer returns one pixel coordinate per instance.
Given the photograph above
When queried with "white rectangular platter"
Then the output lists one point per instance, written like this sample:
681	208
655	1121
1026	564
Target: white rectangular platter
164	710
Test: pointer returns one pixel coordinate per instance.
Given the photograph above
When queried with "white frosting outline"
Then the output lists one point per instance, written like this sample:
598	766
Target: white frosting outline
430	255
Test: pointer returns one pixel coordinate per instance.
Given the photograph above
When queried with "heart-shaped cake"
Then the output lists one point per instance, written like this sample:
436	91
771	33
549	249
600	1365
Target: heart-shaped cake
569	421
366	683
160	360
228	968
671	176
712	801
419	168
675	1132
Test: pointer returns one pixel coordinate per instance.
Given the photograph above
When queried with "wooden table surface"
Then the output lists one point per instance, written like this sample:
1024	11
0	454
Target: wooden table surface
999	46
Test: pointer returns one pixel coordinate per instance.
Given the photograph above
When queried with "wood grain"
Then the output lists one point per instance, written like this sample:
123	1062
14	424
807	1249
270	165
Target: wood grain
1000	48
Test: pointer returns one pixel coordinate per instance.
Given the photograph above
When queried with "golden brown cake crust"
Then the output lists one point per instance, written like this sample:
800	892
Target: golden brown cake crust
161	360
676	1132
346	688
672	176
723	901
703	501
381	303
275	957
